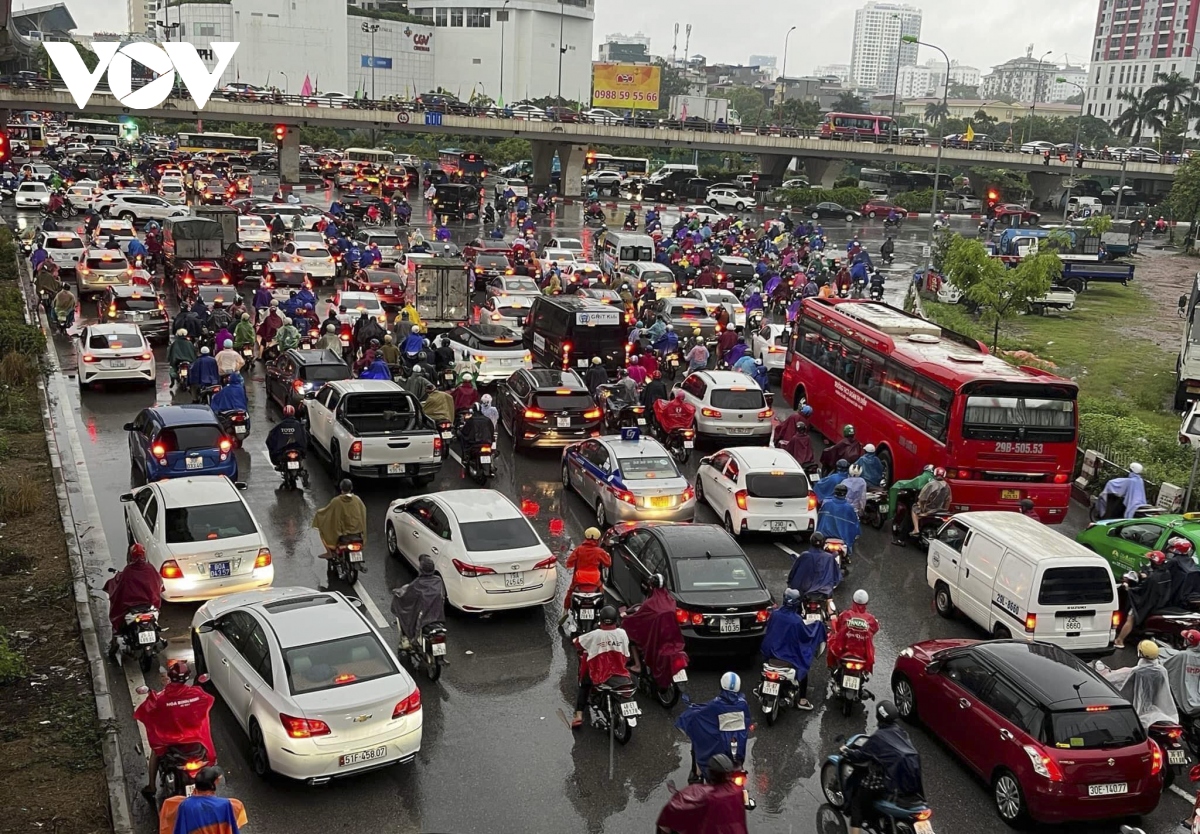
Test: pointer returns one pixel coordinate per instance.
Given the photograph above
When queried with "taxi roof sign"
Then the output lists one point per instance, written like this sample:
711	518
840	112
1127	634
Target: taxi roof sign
631	433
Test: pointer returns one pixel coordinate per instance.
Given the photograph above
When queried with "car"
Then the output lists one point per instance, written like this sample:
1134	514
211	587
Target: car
714	300
212	293
1008	212
100	268
73	148
103	201
546	407
627	477
610	181
253	229
386	241
571	244
600	116
769	343
960	140
1124	542
881	208
795	183
722	604
507	311
308	237
562	257
245	260
216	193
199	273
313	683
1044	730
689	317
200	535
705	212
494	265
291	376
733	272
729	198
487	552
80	194
527	111
1038	147
581	273
519	188
728	405
962	202
640	273
113	351
283	278
914	135
120	229
64	248
1141	154
313	258
829	210
604	295
493	349
173	192
136	304
563	114
178	441
138	208
358	304
757	490
32	195
384	284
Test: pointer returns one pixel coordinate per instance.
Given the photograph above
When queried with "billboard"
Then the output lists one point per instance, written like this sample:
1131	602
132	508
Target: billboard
626	86
376	61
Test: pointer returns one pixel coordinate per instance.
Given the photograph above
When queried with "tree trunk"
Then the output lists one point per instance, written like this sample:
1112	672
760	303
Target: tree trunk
996	335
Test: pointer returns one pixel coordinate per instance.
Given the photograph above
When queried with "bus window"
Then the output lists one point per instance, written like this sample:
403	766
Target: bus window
849	360
636	253
929	409
897	393
871	373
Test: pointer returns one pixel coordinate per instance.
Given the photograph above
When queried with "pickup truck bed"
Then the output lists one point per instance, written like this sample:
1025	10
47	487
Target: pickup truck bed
1076	275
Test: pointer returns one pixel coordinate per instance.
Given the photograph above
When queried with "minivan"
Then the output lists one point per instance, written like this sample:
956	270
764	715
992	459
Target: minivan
1017	578
567	331
457	200
622	248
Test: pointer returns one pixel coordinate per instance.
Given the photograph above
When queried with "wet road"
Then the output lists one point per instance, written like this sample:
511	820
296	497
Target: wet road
497	756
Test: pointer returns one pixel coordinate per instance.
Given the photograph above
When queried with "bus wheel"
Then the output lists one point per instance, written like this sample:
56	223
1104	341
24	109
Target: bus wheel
885	461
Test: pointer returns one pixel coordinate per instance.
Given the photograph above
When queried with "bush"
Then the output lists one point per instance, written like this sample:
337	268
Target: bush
8	261
846	182
851	198
18	337
12	663
20	495
915	200
18	369
12	305
1125	439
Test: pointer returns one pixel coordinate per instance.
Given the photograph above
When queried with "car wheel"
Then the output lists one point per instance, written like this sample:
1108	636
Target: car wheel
905	698
816	215
712	203
566	477
699	489
729	528
1010	801
849	218
126	215
740	206
259	760
999	632
941	600
391	541
198	656
601	516
871	215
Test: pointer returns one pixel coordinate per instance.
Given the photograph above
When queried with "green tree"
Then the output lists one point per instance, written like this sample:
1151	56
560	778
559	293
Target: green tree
44	66
749	102
1184	197
1142	113
982	120
801	113
1098	224
962	91
672	83
1171	136
997	292
848	102
967	263
1172	92
935	111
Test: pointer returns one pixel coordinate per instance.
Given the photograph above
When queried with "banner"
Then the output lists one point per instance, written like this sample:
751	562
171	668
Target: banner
626	86
378	61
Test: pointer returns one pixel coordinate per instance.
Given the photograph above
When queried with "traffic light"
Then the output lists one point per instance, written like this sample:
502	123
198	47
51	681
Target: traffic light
591	158
280	133
5	150
993	197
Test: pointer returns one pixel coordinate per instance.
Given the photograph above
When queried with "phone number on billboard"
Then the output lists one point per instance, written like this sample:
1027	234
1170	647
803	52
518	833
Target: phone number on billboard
625	95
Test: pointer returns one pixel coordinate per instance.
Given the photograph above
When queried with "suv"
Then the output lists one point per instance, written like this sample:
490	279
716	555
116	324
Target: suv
136	304
246	260
733	273
544	406
1051	737
295	373
387	241
64	248
728	405
610	181
456	200
142	207
729	198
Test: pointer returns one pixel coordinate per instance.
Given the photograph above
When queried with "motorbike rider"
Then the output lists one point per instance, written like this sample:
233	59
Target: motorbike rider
1123	496
585	564
934	497
887	250
624	389
718	806
657	638
64	307
203	811
413	344
243	334
790	641
181	350
389	352
800	446
856	489
892	766
417	383
476	431
603	654
229	361
287	337
675	413
1147	686
871	466
439	406
836	518
329	340
231	397
825	486
797	421
815	571
443	355
697	357
667	343
175	717
852	634
848	449
203	373
1150	594
420	602
721	725
466	394
1183	672
286	435
344	515
489	410
596	376
654	392
138	583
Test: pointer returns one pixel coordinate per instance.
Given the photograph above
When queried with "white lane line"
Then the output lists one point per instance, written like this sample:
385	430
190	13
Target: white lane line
1187	796
134	679
454	455
787	550
372	608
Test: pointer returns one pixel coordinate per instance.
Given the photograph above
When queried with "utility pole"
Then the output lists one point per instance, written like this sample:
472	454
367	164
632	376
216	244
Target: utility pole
503	15
562	47
372	28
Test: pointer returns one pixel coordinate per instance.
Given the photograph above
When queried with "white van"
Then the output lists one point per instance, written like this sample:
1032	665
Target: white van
622	248
675	169
1017	578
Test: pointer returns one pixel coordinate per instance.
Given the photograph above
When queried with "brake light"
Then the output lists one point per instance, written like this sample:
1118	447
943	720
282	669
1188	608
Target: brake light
1116	619
592	414
408	706
1060	478
710	412
696	618
812	500
762	616
356	450
1156	758
263	559
964	473
923	814
741	495
471	571
303	727
534	414
170	570
158	450
1030	622
146	357
771	676
225	445
437	444
546	564
766	413
689	493
87	357
194	765
624	495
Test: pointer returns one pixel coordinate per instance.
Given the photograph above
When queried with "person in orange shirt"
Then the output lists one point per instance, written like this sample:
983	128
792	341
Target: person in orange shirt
586	562
204	812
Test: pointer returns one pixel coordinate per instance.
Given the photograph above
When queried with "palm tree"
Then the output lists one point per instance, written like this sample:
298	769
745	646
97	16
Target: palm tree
935	111
1173	91
1143	113
848	103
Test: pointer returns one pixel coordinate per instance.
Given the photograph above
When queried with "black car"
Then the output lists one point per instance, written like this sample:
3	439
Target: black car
721	601
457	200
135	304
733	273
489	265
245	260
297	372
686	316
358	205
192	274
541	406
831	211
217	193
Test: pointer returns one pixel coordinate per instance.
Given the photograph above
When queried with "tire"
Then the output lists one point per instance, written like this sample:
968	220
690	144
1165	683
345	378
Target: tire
127	215
770	715
432	668
850	218
198	656
622	732
175	784
391	541
566	479
260	760
335	464
1009	799
729	528
831	785
816	215
905	698
942	602
145	662
871	215
847	707
601	516
740	206
885	460
699	491
999	632
351	576
712	203
668	697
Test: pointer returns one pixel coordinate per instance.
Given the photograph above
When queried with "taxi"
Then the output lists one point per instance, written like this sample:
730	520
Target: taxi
1124	542
628	477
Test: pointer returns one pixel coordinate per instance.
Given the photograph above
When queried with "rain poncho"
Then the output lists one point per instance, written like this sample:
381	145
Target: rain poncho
439	406
856	493
243	334
847	449
1130	489
414	343
655	631
376	370
824	487
705	809
1183	672
343	516
231	397
891	749
933	497
1185	580
204	371
177	716
421	601
720	726
872	469
1147	688
1150	595
138	583
917	483
815	571
789	638
287	337
181	350
852	634
836	519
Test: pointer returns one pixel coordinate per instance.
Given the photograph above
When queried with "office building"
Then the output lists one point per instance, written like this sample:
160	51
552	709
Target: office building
877	45
929	78
1030	79
624	49
142	17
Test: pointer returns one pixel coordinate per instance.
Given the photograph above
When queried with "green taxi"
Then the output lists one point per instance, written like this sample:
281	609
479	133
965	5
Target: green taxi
1124	542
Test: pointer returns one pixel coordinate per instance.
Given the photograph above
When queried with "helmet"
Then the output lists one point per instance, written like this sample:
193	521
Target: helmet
415	329
791	598
758	360
178	671
633	360
886	712
136	552
486	399
228	343
670	327
416	369
608	614
289	411
847	430
467	377
939	472
720	767
679	393
181	332
329	328
592	534
869	448
346	486
374	343
1136	468
1191	638
1148	649
855	471
595	360
928	467
1179	547
817	539
204	350
805	410
1156	558
700	341
861	597
843	465
840	490
730	682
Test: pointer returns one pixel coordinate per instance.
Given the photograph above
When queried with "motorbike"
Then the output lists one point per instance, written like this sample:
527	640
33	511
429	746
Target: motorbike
235	425
292	469
446	430
613	708
908	814
1165	624
206	394
1170	738
477	461
928	525
891	225
837	548
428	650
347	560
875	508
817	605
177	768
666	698
848	682
679	442
618	412
248	354
586	600
777	690
181	375
140	635
1113	506
447	379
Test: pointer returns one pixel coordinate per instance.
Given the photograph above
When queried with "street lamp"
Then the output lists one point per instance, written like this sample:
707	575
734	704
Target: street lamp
1078	124
937	171
168	27
783	85
896	80
371	29
287	85
562	49
1037	83
503	20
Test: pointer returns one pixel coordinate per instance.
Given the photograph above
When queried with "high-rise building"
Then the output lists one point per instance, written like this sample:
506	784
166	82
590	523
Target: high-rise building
1134	41
877	45
1032	80
142	16
624	49
839	71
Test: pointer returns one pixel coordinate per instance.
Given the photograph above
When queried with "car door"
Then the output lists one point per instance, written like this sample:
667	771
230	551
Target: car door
224	641
272	380
945	553
1007	720
1129	543
249	668
152	526
628	570
595	474
980	559
710	474
948	704
138	440
135	514
725	485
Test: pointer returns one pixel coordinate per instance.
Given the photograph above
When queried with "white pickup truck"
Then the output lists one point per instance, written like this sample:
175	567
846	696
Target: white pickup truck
373	428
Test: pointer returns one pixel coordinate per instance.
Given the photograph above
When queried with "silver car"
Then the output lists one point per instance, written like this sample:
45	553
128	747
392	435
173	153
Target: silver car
728	405
628	480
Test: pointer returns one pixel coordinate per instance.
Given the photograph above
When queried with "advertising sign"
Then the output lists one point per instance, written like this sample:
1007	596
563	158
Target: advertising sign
626	86
378	61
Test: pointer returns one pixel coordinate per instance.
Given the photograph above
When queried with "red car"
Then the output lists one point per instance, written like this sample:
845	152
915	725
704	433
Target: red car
1053	740
191	274
881	208
1005	212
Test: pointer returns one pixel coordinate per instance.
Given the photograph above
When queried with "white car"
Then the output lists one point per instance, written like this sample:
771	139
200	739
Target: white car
571	244
80	194
312	682
308	237
77	147
173	192
314	257
527	111
360	304
769	343
331	100
114	351
519	188
729	405
253	229
716	299
1189	429
492	348
64	248
201	536
600	116
100	268
509	285
487	552
641	273
610	181
562	257
103	201
1038	147
795	183
122	230
507	311
705	212
729	198
755	490
142	207
32	195
581	272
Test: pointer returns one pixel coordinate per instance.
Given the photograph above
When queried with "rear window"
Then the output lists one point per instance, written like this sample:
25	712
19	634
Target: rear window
115	262
1084	730
130	303
689	311
63	243
190	438
496	261
312	251
114	341
520	285
645	468
560	402
347	660
500	534
381	403
718	573
1084	585
208	522
293	278
384	240
325	373
738	398
783	485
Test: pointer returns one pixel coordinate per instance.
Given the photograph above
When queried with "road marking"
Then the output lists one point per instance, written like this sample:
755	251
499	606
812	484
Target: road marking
134	679
372	608
1187	796
787	550
454	455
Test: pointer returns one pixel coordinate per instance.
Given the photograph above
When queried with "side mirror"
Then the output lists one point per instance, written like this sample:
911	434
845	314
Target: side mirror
310	395
127	427
241	485
707	461
933	667
206	628
126	497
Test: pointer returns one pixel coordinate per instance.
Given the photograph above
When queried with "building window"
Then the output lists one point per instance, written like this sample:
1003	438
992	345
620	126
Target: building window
440	17
479	18
456	17
206	30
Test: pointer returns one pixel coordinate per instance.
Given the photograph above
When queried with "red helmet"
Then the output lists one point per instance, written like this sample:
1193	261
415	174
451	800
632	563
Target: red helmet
939	473
178	671
1191	638
1180	547
289	411
1156	558
137	553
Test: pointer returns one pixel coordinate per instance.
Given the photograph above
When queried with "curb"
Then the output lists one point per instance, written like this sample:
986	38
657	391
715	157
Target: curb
118	800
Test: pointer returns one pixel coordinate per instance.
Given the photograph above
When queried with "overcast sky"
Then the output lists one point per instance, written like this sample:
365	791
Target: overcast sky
729	31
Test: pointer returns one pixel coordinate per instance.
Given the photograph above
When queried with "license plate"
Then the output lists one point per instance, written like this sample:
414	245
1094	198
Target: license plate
582	363
247	352
485	458
564	422
145	638
1175	757
116	363
779	526
195	463
395	468
355	555
362	756
630	708
134	316
514	580
923	827
239	429
689	444
660	501
447	435
439	649
851	682
1010	494
1111	789
739	431
730	626
183	372
1072	624
680	676
216	569
189	790
770	687
641	421
587	613
811	618
293	464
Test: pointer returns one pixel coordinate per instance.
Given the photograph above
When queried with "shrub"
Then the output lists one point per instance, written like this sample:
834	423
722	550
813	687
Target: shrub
20	495
851	198
18	370
12	305
19	337
12	663
915	200
1125	439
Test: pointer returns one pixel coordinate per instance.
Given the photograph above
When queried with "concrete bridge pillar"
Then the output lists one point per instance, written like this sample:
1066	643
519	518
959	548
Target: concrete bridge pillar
774	166
289	157
1047	188
571	158
823	173
543	160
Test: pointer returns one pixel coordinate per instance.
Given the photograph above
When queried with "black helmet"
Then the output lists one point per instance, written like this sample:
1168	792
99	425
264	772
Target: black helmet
887	713
817	539
178	671
720	768
346	486
840	490
608	614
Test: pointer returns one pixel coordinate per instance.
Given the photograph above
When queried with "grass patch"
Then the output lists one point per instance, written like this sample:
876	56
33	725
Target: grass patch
20	495
12	662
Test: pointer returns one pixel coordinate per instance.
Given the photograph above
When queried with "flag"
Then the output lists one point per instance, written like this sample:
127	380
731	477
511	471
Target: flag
307	89
877	127
970	134
683	111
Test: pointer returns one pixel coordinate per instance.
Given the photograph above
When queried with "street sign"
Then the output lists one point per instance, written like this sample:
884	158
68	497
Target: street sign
926	251
402	117
433	119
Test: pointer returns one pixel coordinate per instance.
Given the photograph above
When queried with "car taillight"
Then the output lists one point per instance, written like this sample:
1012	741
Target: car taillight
87	357
303	727
225	445
534	414
146	357
1060	478
689	492
356	450
1030	622
682	615
766	413
263	559
1116	619
812	500
170	570
408	706
437	444
158	450
592	414
546	564
741	495
471	571
1156	759
763	615
710	412
624	495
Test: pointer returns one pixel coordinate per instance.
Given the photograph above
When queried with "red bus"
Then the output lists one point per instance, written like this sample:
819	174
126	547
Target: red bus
865	127
925	395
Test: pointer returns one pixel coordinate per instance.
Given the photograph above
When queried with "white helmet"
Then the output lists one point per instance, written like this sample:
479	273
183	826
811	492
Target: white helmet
486	399
416	329
855	470
1135	468
861	597
869	448
416	369
204	351
730	682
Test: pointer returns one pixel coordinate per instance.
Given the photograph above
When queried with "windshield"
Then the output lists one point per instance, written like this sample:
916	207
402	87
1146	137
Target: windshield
336	663
646	468
500	534
1084	730
738	398
207	522
1025	418
717	573
777	485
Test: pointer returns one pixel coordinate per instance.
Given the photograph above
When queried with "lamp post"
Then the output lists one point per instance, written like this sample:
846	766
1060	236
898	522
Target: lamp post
371	29
287	85
562	49
503	21
896	81
1075	148
937	171
168	26
783	84
1037	83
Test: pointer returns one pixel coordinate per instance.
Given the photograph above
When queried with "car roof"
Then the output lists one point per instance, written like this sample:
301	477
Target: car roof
644	446
478	505
113	327
726	379
311	617
1035	540
198	490
696	541
315	357
365	386
761	457
734	259
184	415
1048	672
550	378
130	290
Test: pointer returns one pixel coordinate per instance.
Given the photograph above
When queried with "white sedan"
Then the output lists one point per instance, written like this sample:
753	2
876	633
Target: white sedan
600	116
487	552
706	213
312	682
527	111
769	343
360	304
114	351
314	257
715	299
757	490
253	229
571	244
201	536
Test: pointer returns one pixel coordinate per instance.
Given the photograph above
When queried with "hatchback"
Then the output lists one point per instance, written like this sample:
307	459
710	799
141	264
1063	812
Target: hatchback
728	405
137	305
245	260
177	441
493	349
757	491
1054	741
192	274
547	407
111	351
291	376
64	248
